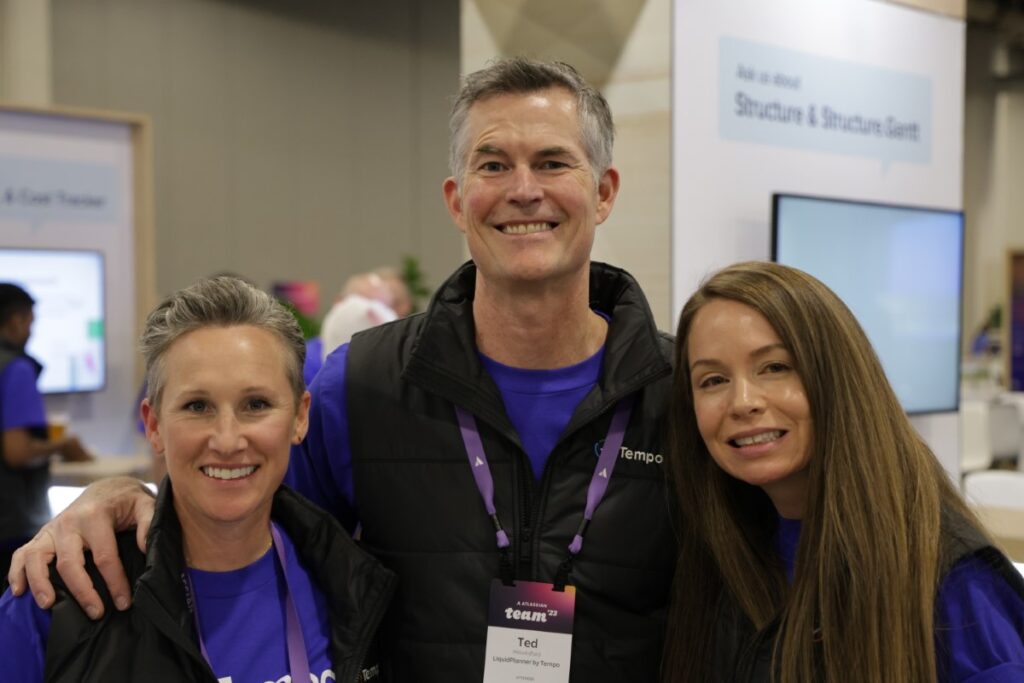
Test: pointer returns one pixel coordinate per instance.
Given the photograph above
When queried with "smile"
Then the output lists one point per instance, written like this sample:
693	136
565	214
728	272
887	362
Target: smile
227	474
763	437
526	228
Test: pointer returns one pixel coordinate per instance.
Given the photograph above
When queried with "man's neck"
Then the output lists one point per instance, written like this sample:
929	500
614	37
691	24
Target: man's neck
537	327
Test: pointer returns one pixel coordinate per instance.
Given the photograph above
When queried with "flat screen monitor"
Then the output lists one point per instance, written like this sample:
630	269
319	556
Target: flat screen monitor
900	270
68	335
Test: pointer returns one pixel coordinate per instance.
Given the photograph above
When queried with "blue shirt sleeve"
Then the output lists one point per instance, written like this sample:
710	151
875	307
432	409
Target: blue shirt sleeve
979	626
321	466
314	347
24	630
21	402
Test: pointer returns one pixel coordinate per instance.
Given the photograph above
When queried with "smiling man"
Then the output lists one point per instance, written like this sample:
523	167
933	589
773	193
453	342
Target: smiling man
481	444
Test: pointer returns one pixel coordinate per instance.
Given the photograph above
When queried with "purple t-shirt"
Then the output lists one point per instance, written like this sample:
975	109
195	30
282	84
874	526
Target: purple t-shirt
314	349
21	404
241	617
979	617
539	404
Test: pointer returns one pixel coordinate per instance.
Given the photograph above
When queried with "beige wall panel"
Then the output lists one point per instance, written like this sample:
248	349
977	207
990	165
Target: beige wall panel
636	237
951	8
292	141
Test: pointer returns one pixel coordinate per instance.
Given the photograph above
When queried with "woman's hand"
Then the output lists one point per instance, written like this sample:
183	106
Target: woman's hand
91	521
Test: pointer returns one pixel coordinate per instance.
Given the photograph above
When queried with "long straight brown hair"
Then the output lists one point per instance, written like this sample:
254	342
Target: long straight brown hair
861	603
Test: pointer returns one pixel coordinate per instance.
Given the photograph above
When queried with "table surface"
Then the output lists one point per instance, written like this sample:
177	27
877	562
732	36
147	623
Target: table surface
100	468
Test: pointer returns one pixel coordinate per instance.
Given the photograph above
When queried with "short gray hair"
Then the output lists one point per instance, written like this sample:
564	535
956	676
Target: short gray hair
218	302
519	75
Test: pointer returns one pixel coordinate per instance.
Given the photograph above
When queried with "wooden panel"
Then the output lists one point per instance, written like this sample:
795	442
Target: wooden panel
951	8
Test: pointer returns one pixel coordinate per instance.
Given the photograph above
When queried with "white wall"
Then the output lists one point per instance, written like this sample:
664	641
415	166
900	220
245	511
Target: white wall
859	56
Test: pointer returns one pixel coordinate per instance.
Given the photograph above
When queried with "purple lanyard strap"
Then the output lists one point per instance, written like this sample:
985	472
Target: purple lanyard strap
605	466
598	482
298	662
481	469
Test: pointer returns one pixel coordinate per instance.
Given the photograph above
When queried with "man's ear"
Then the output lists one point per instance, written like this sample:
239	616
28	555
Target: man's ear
152	424
453	201
607	191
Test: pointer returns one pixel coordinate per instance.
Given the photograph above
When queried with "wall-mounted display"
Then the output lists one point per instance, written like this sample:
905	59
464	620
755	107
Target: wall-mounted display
900	270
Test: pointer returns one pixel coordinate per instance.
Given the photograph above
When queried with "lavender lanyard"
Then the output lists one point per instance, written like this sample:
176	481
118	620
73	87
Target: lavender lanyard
297	660
595	492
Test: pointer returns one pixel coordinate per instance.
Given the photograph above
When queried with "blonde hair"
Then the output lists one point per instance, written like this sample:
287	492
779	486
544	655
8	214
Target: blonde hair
218	302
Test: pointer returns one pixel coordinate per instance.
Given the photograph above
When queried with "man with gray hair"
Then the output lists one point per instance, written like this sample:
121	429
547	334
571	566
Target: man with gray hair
503	451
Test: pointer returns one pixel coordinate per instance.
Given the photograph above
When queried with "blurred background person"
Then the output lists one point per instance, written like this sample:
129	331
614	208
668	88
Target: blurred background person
366	300
242	579
27	444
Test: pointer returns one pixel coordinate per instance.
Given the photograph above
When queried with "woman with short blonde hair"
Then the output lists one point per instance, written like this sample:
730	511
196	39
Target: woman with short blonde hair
242	579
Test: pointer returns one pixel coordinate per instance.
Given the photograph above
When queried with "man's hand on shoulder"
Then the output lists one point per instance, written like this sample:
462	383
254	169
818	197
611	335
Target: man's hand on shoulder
91	521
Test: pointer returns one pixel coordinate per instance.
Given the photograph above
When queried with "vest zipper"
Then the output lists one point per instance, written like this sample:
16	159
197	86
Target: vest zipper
525	569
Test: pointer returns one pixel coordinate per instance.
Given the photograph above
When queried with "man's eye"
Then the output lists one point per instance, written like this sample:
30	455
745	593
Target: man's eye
491	166
552	165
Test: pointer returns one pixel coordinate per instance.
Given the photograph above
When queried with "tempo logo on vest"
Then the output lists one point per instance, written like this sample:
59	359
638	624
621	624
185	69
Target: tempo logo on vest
630	454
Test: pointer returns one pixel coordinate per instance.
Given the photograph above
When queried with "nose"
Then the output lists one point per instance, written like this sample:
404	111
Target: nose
227	436
747	398
524	188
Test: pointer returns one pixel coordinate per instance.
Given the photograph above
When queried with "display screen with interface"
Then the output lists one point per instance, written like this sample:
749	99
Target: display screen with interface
68	335
899	269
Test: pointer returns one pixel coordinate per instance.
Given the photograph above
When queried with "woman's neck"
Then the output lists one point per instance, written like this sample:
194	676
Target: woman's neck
222	548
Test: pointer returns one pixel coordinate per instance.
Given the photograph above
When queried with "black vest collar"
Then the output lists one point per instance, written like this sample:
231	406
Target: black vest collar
444	358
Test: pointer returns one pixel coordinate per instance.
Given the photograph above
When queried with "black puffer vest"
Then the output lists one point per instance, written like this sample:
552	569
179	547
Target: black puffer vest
423	517
155	640
743	655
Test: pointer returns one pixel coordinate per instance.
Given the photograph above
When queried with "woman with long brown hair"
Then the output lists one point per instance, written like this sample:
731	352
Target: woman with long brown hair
820	540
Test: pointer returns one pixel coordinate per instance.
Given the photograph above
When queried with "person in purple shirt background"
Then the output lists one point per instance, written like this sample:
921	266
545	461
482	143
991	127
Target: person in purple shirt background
26	446
242	579
824	540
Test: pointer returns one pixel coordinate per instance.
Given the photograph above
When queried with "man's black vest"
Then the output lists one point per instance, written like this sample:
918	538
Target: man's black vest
423	517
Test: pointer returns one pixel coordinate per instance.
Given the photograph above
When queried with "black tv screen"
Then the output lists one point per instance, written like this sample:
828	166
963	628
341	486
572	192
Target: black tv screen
900	270
69	332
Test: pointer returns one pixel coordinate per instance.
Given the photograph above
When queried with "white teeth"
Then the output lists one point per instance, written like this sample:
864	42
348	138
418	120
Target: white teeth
227	474
525	228
763	437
